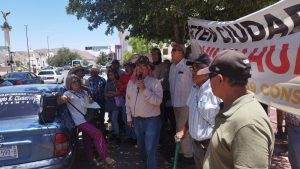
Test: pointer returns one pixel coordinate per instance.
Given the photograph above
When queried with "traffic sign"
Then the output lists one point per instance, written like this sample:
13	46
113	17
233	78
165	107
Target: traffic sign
96	48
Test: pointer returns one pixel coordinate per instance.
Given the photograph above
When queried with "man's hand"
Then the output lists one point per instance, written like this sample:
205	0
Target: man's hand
180	134
130	124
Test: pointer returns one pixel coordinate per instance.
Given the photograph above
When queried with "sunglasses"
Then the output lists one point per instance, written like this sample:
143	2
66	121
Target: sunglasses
174	50
76	81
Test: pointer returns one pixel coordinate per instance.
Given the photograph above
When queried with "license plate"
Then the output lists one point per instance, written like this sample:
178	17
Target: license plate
8	152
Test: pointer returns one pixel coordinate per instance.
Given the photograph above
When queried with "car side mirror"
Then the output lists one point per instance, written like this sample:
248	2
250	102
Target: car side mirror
48	109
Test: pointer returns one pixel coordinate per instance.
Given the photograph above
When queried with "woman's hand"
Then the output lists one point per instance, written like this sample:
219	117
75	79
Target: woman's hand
64	99
140	84
90	99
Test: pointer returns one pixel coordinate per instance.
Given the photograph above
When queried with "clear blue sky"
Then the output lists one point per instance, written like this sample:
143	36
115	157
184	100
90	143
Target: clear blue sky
49	18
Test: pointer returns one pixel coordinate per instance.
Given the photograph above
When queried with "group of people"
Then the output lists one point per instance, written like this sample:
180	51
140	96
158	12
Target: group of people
219	123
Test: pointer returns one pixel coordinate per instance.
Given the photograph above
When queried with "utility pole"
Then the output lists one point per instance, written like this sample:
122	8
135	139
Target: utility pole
28	48
48	47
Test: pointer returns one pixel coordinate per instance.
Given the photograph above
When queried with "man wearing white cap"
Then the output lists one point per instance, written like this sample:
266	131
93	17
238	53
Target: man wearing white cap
180	79
203	107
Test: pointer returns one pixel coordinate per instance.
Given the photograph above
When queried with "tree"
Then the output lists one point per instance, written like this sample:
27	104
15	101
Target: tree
63	56
139	44
102	59
159	20
18	63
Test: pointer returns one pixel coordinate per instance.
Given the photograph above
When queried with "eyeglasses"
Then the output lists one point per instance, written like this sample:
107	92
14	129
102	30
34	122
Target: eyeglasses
212	75
174	50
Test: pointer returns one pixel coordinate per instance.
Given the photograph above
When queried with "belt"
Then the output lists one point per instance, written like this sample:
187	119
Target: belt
144	118
204	143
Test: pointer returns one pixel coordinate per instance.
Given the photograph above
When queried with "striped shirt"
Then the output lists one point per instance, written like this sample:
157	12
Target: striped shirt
203	107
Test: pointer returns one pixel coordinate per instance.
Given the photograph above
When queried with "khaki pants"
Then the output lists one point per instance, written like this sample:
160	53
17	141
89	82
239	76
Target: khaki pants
181	117
199	153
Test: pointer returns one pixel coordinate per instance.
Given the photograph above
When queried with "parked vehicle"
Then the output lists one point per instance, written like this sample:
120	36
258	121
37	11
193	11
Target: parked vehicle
35	132
67	67
20	78
51	76
48	68
76	63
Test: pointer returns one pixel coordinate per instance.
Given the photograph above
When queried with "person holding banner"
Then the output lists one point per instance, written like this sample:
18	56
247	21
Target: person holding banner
243	136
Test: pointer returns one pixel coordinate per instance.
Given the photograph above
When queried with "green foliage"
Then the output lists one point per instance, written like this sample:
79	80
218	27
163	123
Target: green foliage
85	62
126	57
63	57
102	59
139	45
18	63
159	20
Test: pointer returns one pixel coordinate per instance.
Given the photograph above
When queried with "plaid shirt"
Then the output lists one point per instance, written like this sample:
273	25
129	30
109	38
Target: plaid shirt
97	86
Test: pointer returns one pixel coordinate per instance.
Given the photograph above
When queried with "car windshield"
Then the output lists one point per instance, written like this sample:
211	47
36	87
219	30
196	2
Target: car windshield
46	73
19	104
14	75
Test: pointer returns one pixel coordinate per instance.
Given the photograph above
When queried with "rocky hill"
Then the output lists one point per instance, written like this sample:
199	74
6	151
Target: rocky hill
23	55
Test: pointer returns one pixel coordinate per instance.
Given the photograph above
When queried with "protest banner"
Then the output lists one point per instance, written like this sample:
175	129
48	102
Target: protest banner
270	39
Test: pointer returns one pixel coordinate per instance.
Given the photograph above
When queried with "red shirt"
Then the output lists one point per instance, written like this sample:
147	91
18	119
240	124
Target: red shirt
122	84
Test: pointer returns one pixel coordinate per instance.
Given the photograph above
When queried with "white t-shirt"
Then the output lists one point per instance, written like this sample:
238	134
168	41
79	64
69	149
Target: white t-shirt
78	100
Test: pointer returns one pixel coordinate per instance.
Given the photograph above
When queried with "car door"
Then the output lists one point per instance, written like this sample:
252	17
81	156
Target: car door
35	79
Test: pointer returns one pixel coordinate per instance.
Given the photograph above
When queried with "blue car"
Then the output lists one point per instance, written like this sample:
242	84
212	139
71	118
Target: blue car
20	78
35	132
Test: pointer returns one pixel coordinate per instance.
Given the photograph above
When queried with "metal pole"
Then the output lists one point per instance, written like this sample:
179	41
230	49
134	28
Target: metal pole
10	59
48	48
28	48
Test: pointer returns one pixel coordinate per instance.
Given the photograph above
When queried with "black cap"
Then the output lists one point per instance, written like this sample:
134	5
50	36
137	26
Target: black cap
128	63
201	59
231	63
115	62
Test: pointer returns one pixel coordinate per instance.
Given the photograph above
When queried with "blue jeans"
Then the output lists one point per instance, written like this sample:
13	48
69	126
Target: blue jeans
129	132
294	146
114	120
147	131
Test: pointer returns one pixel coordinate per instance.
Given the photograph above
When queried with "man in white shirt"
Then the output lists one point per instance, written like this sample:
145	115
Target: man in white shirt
180	79
203	107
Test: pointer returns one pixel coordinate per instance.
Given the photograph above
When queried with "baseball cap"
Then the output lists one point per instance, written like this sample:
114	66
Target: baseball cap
145	61
181	46
201	59
115	62
129	64
230	63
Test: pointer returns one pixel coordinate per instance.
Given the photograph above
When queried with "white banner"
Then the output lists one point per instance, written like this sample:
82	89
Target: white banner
271	40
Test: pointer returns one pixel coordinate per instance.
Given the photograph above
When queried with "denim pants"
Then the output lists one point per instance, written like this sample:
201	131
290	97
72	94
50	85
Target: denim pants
147	131
129	132
114	120
294	147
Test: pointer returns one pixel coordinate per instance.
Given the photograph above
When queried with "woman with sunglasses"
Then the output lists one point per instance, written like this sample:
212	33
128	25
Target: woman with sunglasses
76	98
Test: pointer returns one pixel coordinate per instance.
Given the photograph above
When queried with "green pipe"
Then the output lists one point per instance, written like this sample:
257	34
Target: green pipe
176	154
